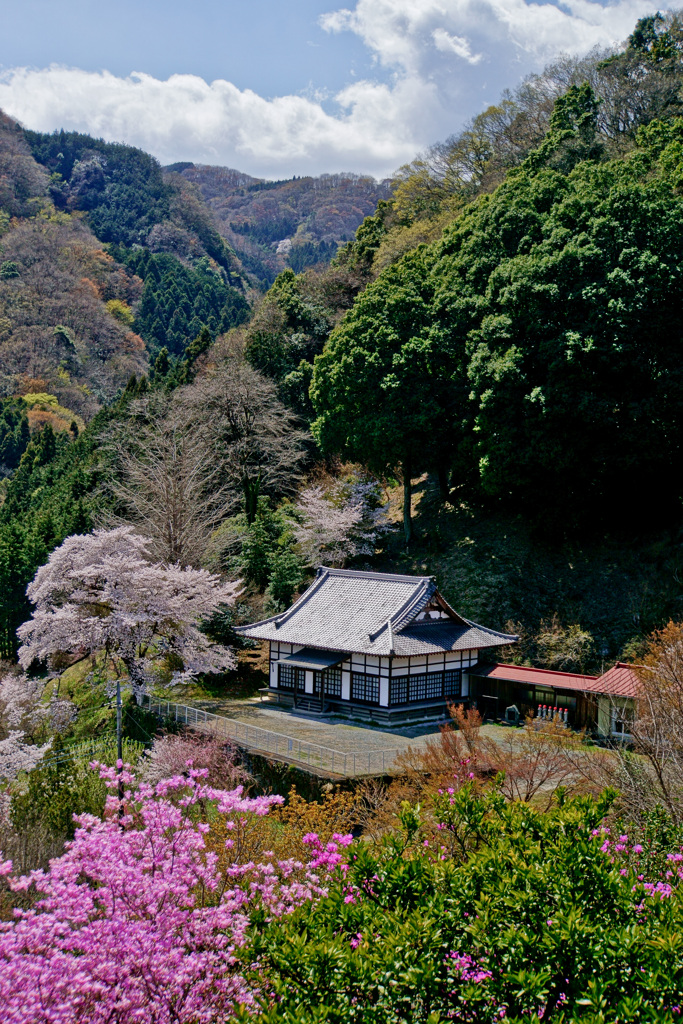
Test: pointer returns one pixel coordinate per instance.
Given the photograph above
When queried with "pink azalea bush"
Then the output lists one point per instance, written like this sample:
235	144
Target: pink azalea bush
135	922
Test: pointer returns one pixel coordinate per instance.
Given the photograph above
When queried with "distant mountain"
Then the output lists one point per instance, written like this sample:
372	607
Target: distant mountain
128	200
58	288
103	263
293	223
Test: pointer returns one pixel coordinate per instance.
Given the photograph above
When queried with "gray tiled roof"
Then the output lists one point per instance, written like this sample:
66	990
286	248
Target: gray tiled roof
372	613
445	635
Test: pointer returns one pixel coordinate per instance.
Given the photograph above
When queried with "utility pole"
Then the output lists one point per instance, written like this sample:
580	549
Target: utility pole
119	744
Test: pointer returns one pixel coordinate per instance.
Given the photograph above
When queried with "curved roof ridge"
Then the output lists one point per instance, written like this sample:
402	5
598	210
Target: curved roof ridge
372	613
512	637
281	617
363	574
414	605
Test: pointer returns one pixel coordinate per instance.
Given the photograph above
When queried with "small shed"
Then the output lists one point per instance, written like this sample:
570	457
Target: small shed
601	704
376	645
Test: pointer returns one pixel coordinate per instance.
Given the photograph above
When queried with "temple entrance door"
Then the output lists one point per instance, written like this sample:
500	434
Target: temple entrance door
299	683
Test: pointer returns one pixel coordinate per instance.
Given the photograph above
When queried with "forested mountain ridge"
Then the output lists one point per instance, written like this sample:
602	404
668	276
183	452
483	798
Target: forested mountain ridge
56	333
293	223
127	198
104	264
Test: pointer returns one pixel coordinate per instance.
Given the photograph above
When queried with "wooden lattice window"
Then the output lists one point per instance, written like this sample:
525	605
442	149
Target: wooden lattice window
291	678
365	688
452	682
332	679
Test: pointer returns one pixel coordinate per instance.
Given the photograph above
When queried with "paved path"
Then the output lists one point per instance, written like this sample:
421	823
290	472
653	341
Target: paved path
333	730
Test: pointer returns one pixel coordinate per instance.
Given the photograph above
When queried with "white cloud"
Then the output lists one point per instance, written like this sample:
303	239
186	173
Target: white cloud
454	44
399	31
436	62
185	118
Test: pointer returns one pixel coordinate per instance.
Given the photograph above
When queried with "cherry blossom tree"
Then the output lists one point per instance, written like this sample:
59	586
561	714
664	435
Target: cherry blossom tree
21	704
341	523
16	756
102	593
23	708
23	714
140	920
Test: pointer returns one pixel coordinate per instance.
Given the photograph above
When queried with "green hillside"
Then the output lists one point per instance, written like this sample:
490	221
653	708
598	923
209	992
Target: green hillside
498	353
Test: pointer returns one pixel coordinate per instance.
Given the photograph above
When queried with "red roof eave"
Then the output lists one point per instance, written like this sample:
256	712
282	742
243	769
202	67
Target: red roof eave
619	681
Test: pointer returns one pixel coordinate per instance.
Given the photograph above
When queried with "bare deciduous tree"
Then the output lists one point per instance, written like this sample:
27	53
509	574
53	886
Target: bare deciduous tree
531	763
183	463
255	441
167	480
652	772
172	755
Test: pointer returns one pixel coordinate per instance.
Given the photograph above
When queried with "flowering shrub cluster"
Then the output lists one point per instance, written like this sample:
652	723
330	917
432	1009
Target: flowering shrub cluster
509	914
503	913
136	923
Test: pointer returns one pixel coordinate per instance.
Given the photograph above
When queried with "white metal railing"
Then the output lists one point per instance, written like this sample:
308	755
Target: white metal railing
289	748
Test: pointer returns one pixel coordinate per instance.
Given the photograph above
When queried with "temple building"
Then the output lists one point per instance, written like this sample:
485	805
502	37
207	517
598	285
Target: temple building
374	645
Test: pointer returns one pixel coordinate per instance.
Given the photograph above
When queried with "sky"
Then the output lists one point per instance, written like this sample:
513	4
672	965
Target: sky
277	88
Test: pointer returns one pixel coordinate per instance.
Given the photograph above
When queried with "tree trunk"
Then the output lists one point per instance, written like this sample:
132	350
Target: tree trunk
444	486
252	487
407	496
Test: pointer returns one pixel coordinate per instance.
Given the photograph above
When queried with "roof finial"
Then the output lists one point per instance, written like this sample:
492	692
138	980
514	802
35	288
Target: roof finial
391	637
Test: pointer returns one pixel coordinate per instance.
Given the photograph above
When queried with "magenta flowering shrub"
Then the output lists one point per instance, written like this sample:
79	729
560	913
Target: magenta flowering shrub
135	922
658	871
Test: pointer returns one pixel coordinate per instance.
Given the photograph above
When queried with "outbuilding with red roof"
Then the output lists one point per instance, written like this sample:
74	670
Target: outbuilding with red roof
601	704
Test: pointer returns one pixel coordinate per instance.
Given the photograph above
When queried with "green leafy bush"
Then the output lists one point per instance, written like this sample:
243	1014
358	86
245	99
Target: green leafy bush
8	269
513	915
62	785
